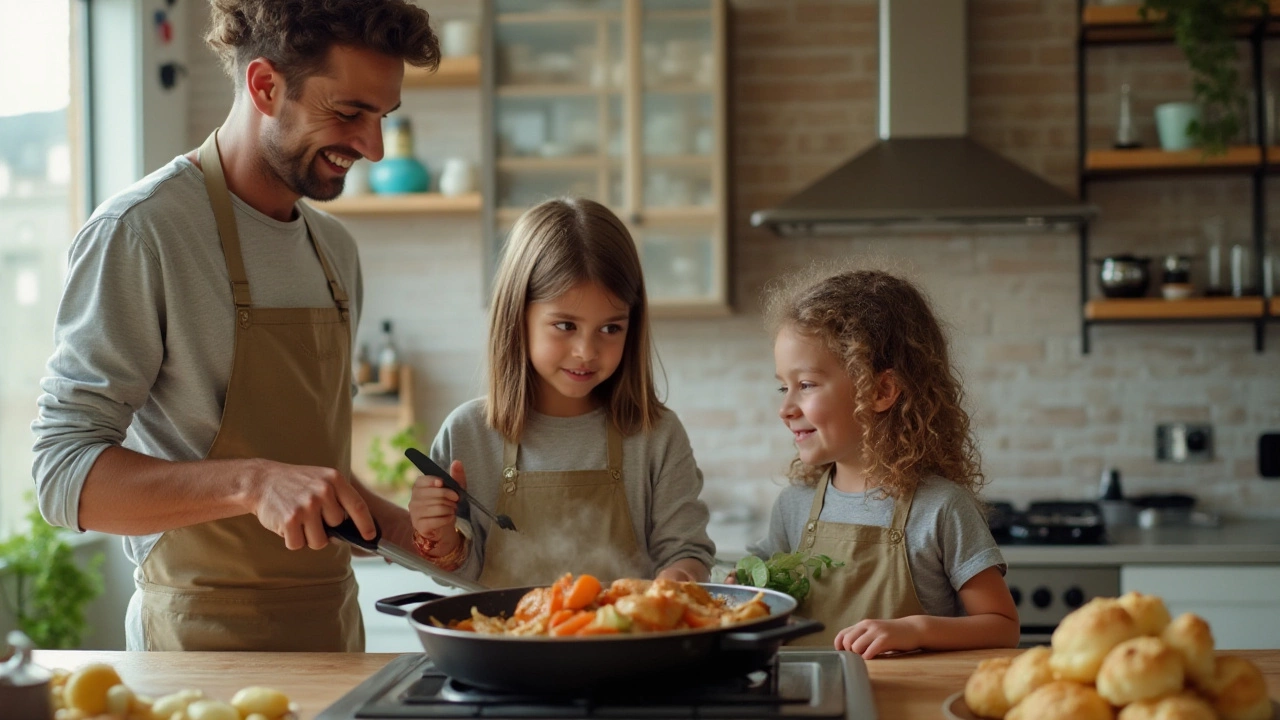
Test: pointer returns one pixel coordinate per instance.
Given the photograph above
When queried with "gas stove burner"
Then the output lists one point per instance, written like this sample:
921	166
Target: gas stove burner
800	684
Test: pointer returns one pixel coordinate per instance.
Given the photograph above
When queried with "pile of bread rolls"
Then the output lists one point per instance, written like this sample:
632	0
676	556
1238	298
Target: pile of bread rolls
1121	653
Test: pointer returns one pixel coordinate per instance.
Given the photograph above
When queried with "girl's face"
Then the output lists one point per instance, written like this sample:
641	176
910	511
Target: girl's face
817	401
575	343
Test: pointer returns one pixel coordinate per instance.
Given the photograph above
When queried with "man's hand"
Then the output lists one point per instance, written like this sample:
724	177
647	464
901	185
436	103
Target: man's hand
297	501
869	638
433	508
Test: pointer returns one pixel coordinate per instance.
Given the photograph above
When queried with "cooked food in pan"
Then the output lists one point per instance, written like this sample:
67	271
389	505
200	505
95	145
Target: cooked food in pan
580	607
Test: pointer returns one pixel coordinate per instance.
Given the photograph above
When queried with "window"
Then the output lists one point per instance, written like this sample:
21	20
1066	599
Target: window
41	202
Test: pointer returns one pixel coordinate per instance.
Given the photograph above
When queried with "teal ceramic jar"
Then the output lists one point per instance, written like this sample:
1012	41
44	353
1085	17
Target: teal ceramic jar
399	171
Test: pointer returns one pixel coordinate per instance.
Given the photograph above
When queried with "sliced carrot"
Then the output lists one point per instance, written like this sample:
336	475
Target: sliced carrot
595	630
556	603
466	625
573	624
560	616
584	590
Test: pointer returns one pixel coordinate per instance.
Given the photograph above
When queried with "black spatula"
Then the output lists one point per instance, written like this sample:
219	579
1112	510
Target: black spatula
430	468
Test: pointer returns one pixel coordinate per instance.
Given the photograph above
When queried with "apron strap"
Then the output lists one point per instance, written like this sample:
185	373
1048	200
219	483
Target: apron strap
220	198
615	451
339	295
901	509
815	510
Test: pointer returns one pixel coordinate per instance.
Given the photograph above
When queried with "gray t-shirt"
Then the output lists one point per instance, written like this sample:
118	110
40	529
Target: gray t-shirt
948	540
658	470
145	332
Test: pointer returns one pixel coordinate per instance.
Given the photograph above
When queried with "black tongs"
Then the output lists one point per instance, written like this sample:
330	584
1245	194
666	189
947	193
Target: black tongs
431	469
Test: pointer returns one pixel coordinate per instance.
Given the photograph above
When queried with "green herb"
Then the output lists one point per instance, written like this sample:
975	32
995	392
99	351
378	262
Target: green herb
44	587
784	572
393	475
1204	30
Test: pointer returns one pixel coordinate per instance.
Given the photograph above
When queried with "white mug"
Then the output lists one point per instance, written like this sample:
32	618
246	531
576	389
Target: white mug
459	38
456	178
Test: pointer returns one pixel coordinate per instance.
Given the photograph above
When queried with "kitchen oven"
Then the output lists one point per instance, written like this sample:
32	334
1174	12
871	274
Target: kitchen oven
801	683
1046	593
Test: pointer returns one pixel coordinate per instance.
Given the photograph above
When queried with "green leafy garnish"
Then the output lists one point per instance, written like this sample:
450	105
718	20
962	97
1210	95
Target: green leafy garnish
784	572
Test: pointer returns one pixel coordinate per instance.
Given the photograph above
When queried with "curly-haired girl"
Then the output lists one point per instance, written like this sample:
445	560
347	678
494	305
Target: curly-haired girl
887	472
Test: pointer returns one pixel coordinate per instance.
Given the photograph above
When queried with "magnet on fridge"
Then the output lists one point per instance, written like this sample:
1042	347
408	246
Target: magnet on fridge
164	28
169	73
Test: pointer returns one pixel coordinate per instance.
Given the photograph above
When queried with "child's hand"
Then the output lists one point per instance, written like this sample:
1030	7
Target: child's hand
433	508
869	638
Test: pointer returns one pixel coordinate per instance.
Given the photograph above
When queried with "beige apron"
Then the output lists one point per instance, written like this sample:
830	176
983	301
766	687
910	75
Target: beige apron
569	521
231	584
875	581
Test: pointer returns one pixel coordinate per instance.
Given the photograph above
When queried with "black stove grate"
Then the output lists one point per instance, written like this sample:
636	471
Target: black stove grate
800	685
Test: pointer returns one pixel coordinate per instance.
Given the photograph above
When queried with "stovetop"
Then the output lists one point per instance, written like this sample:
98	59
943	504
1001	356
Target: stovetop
802	684
1048	523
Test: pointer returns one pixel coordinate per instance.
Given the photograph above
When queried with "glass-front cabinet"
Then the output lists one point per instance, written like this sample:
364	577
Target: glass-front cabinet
621	101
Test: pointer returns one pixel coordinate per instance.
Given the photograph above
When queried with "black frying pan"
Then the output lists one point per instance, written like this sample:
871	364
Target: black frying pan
550	666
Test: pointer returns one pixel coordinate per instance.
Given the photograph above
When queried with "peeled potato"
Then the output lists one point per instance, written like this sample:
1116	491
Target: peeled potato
212	710
86	689
262	701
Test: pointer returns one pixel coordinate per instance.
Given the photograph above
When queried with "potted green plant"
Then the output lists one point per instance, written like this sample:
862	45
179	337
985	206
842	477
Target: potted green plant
44	587
393	477
1204	30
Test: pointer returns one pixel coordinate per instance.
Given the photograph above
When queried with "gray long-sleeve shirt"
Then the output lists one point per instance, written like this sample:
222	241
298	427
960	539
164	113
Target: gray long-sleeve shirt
145	332
661	478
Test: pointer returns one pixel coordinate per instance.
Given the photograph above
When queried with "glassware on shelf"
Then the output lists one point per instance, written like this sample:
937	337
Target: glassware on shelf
1242	271
399	171
1213	229
388	361
1126	134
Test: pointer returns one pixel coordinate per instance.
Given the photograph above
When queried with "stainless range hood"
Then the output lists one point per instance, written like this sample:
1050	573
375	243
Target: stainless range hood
924	173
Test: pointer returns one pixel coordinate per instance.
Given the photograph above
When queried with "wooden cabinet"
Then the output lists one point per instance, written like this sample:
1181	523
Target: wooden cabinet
623	102
1103	25
1238	601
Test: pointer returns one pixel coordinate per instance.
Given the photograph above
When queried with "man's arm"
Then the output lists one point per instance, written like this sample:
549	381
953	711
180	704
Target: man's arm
128	493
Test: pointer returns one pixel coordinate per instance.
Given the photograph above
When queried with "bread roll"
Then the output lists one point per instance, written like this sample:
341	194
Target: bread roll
1147	610
1184	706
1144	668
1027	672
1239	691
1190	635
1060	700
984	691
1084	638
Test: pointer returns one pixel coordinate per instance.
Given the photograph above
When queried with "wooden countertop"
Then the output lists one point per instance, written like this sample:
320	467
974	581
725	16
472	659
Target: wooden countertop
910	686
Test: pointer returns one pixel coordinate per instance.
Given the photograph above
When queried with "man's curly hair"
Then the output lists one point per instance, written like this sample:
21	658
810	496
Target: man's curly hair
873	321
296	35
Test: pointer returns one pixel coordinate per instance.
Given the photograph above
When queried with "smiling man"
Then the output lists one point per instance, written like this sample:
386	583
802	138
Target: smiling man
199	397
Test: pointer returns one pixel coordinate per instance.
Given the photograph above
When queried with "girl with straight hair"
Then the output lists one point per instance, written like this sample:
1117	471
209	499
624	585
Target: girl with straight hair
571	440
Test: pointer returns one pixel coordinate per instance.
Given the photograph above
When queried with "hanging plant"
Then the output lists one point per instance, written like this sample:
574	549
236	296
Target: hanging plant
1204	31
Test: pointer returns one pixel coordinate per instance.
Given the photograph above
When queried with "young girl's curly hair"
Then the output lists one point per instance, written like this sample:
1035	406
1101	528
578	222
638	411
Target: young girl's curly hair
873	321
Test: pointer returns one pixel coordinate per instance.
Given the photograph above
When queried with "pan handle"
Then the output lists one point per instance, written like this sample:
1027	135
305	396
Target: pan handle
763	640
393	605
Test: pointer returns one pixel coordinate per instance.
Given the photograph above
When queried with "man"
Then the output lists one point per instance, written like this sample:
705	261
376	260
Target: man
211	315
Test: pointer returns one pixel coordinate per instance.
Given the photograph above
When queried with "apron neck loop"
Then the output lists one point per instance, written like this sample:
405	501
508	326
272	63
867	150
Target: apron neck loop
510	451
615	450
215	184
902	508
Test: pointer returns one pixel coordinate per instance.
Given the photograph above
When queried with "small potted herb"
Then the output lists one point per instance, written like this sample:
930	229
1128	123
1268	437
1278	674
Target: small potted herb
44	587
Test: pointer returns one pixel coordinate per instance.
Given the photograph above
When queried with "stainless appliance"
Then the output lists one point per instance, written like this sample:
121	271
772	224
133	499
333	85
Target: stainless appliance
1044	594
801	683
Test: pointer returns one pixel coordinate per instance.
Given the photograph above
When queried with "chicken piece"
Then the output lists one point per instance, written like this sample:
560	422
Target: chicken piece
534	603
623	587
650	612
485	624
749	610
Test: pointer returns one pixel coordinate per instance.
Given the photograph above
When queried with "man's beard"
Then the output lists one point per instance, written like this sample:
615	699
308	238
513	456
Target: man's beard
290	165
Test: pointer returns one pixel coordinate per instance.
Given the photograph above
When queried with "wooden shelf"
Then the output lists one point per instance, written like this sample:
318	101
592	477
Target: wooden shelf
679	213
677	88
1275	307
1144	160
1160	309
687	308
1124	23
558	16
684	161
454	72
553	164
537	90
406	204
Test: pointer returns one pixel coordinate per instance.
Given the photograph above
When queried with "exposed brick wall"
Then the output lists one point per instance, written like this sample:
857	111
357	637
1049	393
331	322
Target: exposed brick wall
1049	419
